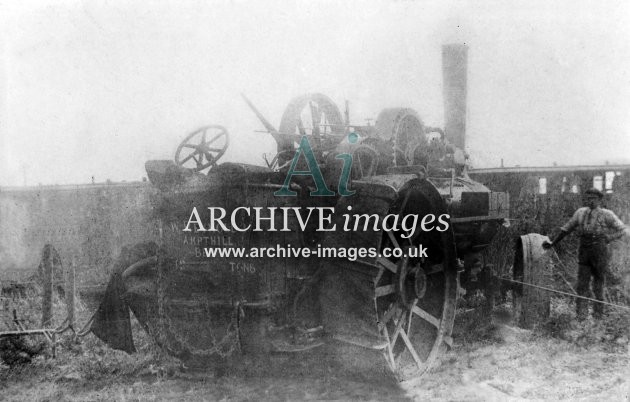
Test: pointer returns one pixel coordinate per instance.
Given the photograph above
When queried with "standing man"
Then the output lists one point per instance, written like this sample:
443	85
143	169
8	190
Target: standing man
596	227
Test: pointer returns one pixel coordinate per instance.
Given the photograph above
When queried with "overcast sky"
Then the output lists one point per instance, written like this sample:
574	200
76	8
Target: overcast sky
96	88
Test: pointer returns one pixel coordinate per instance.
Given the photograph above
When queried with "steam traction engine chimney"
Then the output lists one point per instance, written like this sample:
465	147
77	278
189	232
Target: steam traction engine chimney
454	67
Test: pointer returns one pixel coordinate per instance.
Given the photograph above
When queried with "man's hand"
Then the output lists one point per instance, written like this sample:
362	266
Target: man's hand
547	245
614	236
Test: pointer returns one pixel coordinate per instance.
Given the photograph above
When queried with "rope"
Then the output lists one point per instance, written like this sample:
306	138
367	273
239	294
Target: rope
87	328
565	293
564	266
559	262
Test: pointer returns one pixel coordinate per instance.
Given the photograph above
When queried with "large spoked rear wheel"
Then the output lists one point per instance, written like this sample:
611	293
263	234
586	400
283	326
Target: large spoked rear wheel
415	296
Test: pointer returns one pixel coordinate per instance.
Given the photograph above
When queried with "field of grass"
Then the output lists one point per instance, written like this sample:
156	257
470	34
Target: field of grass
491	360
559	359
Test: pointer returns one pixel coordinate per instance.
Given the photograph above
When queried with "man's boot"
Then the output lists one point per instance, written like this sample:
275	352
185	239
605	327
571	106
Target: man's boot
598	311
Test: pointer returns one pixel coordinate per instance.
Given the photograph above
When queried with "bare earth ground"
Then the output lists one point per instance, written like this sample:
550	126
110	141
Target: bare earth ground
509	364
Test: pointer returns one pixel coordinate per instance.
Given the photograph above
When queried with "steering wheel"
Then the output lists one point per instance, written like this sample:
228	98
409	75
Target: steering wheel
197	152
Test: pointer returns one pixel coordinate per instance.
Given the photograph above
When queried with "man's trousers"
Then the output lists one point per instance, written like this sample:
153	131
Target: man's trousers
593	263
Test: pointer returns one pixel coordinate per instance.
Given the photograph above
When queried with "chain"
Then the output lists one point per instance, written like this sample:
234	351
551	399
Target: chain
224	347
565	293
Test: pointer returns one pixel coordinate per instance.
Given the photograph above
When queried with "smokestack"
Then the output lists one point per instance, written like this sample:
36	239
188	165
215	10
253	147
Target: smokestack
454	69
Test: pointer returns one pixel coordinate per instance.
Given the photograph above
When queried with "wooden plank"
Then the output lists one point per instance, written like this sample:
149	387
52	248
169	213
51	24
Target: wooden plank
48	287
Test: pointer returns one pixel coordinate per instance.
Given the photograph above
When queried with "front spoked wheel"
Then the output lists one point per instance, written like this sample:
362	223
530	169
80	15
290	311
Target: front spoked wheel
415	295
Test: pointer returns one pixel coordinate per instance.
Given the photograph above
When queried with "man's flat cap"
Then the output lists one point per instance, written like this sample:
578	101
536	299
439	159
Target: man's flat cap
594	191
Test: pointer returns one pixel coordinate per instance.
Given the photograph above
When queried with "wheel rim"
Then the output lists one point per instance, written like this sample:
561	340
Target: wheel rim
404	128
314	115
365	162
415	298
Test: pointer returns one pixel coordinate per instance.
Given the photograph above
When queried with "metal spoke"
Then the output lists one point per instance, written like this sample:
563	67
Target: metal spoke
388	315
410	317
390	350
381	271
392	238
405	201
189	146
301	127
426	316
417	232
388	264
399	323
413	352
206	149
192	155
410	239
448	340
324	123
360	164
316	119
385	290
206	143
209	156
